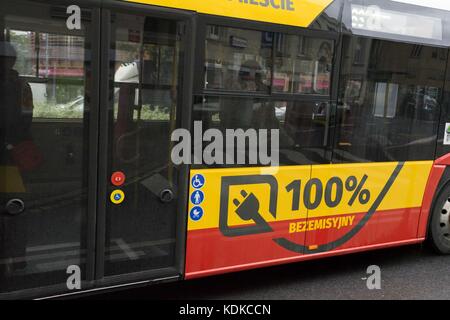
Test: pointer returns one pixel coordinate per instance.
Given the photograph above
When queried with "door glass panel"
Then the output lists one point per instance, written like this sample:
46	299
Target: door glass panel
44	70
141	222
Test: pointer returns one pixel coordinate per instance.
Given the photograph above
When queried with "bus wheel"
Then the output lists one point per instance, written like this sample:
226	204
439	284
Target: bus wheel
440	223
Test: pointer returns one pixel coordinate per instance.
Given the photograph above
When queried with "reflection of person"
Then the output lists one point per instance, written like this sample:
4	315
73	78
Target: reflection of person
238	112
246	113
16	114
251	77
17	156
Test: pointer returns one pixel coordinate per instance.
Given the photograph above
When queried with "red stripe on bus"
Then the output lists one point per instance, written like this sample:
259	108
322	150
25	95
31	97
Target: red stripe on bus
209	252
298	258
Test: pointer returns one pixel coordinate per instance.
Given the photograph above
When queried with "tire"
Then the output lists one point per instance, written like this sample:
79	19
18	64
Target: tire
439	228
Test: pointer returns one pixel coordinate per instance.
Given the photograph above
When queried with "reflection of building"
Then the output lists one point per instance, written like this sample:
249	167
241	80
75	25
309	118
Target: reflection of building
383	73
59	55
389	98
227	49
48	61
301	64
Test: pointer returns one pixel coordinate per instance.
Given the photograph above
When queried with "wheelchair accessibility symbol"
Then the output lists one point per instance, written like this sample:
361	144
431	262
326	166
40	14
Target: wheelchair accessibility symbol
198	181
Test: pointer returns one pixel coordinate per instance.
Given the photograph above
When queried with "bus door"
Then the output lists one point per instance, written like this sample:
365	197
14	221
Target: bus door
89	97
47	161
141	196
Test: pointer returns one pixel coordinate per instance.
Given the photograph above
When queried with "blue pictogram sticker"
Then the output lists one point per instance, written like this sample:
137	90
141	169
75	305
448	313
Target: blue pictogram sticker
198	181
197	197
196	213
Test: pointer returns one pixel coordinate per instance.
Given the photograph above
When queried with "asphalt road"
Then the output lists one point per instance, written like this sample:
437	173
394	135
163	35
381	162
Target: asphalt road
413	272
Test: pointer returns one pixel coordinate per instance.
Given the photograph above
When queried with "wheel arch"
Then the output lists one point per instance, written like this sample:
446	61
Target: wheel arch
438	179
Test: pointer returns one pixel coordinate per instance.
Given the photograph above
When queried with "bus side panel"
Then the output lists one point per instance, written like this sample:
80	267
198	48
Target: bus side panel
238	213
381	203
320	210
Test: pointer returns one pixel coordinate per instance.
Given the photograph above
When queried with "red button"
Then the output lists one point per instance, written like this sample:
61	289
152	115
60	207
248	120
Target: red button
118	178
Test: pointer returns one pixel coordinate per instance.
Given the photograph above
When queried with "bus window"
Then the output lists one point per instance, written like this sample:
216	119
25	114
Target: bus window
281	72
301	124
302	65
235	56
443	146
389	102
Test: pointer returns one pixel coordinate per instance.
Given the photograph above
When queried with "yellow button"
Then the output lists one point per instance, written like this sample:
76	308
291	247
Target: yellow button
117	196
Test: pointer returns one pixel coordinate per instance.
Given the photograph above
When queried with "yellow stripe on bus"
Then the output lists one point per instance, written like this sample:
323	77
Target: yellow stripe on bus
306	191
300	13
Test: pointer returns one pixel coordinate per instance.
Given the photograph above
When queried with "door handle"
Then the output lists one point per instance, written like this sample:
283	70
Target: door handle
166	195
15	207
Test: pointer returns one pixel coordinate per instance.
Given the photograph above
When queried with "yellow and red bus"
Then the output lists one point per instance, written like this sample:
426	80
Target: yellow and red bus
91	93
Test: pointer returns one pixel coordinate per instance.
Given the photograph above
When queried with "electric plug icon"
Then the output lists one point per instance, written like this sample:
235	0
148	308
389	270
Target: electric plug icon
247	206
248	209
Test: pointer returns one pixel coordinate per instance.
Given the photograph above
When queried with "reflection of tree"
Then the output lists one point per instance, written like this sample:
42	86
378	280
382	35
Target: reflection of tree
127	51
22	42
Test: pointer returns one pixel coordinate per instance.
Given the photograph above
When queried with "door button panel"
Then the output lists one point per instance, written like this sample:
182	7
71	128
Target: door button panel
118	178
117	196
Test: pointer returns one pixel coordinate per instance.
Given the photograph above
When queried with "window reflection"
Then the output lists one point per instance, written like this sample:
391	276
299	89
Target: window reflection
389	101
301	124
302	65
238	59
270	64
44	98
53	65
